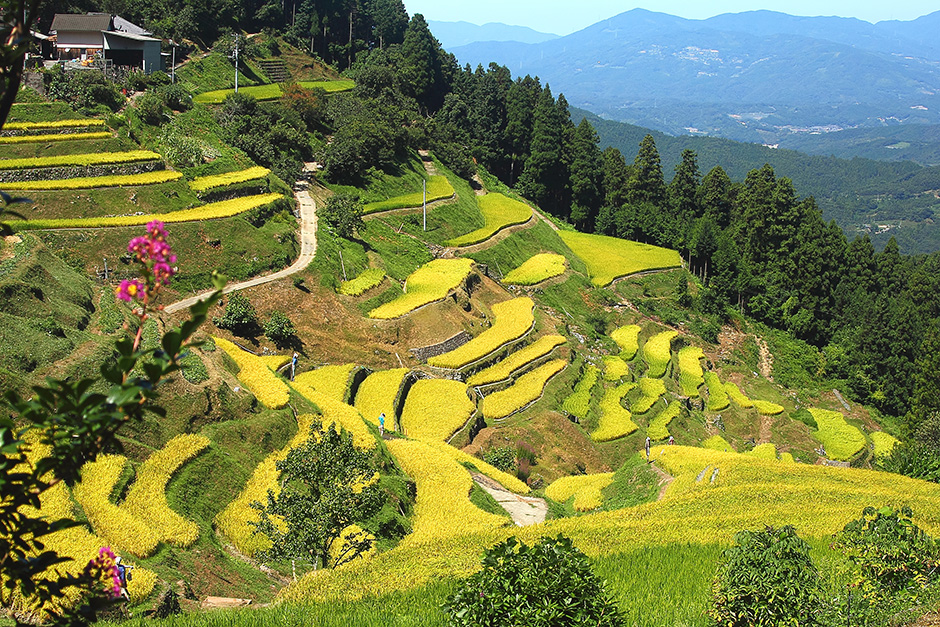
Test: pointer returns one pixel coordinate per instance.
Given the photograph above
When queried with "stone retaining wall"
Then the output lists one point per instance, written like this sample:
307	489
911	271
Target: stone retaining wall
424	353
72	172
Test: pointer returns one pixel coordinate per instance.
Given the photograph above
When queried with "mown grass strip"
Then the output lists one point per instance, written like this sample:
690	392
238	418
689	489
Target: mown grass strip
519	359
366	281
609	258
431	282
84	159
842	440
234	522
205	183
586	490
435	409
211	211
438	189
537	269
578	403
97	182
615	421
514	318
38	126
525	390
53	137
499	211
627	338
271	91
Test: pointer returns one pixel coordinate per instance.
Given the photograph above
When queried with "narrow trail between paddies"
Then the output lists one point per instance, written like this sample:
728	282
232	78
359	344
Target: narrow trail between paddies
308	249
525	510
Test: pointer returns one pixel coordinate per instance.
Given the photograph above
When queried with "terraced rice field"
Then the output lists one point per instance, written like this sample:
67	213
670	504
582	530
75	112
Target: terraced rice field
515	361
435	409
658	429
842	440
333	381
615	368
219	181
627	338
378	395
369	278
536	269
690	370
95	182
527	389
499	211
585	489
53	137
578	402
657	353
717	397
255	375
651	390
84	159
615	421
211	211
429	283
514	318
438	188
609	258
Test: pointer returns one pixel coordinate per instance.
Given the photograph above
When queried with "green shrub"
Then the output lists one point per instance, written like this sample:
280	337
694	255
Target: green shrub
279	328
501	457
239	316
893	556
766	579
550	583
805	417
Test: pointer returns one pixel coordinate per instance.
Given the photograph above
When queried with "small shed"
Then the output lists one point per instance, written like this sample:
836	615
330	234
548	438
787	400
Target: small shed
78	36
133	50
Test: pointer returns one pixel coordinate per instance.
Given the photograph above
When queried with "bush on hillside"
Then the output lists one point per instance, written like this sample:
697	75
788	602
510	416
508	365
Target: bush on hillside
344	213
550	583
501	457
893	556
239	317
279	329
766	579
83	90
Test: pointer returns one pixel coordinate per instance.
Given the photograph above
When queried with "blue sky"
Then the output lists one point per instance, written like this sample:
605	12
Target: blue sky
542	15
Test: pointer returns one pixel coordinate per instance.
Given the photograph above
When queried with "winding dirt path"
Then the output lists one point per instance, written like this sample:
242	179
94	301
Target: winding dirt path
308	249
525	510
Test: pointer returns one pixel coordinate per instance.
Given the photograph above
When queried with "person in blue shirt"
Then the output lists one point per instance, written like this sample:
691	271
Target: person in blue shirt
382	424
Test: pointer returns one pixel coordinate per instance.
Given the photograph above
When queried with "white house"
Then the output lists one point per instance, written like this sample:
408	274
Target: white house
123	43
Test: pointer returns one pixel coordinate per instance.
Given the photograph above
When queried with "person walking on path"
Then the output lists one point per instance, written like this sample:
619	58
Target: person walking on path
672	440
123	576
382	425
647	449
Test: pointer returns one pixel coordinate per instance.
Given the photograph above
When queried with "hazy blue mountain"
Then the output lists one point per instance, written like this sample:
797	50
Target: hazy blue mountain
908	142
750	76
453	34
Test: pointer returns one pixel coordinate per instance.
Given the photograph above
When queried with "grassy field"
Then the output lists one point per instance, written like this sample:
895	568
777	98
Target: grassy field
499	212
438	188
609	258
271	91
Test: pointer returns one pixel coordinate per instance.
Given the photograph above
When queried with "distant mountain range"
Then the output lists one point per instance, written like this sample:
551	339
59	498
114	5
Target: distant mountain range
759	76
453	34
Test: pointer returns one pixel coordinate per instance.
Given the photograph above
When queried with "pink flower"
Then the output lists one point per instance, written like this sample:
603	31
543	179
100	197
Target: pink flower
155	230
162	273
129	290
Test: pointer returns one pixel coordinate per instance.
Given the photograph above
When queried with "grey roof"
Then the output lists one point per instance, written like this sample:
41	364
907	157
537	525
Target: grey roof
115	33
72	21
120	24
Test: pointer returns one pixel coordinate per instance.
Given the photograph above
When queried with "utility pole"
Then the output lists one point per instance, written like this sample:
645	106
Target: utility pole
173	68
236	63
425	203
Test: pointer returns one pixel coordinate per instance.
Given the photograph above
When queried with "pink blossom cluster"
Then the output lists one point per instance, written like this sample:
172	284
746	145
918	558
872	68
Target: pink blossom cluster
104	568
156	258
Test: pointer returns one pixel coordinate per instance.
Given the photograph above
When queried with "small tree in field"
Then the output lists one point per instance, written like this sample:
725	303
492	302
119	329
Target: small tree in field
550	583
344	213
240	315
279	328
766	579
329	485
